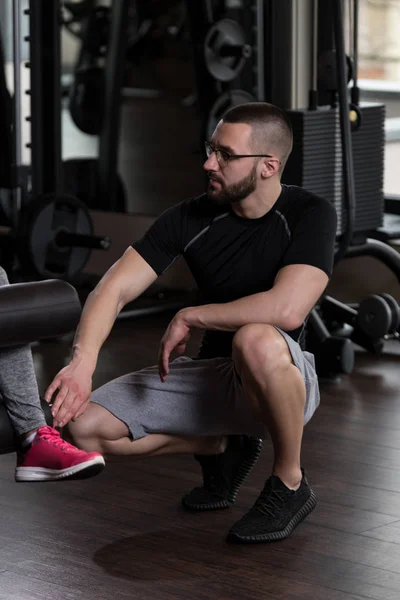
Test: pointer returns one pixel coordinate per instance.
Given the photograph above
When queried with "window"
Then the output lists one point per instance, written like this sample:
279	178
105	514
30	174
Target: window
379	71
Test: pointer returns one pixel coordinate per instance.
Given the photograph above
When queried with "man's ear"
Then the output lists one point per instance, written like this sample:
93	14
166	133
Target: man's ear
269	167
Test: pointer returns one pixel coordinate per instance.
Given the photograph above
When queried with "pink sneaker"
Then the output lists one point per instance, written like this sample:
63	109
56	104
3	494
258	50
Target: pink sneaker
50	458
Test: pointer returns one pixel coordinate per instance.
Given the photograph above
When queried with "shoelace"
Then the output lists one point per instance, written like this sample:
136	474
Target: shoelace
51	435
270	501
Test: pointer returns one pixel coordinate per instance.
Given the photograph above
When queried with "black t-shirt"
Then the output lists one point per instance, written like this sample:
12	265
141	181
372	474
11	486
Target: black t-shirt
231	257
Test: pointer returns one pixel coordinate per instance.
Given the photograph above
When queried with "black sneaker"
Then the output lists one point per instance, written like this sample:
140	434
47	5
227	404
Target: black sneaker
277	511
223	474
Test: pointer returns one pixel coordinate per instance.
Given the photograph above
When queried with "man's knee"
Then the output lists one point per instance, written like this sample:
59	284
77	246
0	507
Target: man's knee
97	426
83	433
261	347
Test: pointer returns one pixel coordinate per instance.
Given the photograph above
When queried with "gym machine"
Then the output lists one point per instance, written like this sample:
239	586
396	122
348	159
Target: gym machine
49	228
50	231
346	136
30	312
338	148
110	44
95	94
339	154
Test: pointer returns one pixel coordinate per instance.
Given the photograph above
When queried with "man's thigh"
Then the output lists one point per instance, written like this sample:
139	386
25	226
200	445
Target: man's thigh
199	397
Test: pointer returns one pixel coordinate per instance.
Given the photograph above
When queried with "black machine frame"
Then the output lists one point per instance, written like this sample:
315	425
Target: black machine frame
50	233
46	97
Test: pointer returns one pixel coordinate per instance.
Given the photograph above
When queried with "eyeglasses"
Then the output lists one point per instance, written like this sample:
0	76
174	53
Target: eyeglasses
224	157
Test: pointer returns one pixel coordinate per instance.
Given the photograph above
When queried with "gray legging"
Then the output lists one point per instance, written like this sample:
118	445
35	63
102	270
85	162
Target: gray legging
18	386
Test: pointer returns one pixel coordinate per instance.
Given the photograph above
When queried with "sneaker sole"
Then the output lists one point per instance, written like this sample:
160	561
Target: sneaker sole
243	471
275	536
81	471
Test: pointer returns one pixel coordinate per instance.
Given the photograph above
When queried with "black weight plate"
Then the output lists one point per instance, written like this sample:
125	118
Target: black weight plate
86	99
327	72
222	104
41	221
225	32
374	317
395	310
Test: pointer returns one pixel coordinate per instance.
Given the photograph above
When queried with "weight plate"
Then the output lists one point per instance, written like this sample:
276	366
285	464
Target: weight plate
86	99
225	34
395	310
327	71
41	221
374	317
222	104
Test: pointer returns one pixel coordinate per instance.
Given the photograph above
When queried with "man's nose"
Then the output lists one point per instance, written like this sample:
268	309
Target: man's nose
211	163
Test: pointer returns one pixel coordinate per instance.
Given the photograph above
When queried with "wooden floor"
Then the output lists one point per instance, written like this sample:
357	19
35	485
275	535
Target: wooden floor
122	535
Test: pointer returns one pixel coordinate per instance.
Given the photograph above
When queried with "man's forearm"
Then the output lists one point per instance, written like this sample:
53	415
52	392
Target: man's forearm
98	317
295	291
258	308
124	281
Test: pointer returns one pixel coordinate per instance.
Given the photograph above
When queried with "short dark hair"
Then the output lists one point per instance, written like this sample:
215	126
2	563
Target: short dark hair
272	131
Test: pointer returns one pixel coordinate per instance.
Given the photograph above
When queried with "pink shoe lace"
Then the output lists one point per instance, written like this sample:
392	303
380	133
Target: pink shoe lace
52	436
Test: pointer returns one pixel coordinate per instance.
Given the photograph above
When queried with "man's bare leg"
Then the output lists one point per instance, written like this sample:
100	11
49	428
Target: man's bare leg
97	430
277	392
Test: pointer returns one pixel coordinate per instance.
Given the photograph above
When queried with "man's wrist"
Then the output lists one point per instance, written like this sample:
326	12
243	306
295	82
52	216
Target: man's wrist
84	358
192	316
185	317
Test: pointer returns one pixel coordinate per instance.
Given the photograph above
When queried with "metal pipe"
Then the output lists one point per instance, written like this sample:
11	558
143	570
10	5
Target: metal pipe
355	92
17	133
347	153
17	80
81	240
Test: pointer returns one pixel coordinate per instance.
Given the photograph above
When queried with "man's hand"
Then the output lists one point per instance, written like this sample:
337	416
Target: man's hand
74	383
175	338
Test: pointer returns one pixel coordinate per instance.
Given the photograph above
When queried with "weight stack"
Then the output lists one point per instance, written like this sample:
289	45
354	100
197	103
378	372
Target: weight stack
316	161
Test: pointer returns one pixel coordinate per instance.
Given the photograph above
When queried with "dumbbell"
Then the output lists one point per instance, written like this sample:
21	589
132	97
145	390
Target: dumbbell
378	318
334	355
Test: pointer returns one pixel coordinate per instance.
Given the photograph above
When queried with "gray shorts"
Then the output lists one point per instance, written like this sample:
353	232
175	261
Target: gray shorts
199	397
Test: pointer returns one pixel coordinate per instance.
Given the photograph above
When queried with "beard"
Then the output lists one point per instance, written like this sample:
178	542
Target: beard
230	194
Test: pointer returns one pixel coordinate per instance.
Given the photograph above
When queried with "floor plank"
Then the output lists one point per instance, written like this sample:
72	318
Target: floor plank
124	535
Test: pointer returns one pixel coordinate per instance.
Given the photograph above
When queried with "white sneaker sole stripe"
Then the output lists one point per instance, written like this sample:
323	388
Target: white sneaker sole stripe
43	474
